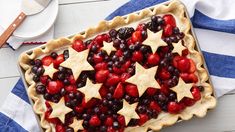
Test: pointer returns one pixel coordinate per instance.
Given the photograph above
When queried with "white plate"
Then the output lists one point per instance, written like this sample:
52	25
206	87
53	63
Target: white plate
32	26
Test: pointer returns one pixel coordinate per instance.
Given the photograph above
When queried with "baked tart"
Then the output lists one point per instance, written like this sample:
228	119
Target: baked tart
134	73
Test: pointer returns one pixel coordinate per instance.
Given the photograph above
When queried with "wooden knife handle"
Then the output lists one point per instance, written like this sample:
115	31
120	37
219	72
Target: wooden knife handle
8	32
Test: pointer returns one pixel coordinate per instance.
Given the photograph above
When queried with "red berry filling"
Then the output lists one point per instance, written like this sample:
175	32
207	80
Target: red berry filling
112	71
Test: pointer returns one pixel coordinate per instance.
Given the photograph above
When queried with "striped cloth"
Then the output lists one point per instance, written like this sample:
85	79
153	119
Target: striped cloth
214	23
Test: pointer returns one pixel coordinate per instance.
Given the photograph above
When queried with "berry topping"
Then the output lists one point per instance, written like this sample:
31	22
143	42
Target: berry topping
54	87
120	78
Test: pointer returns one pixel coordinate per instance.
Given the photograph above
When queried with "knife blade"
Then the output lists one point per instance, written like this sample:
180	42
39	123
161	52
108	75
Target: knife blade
28	7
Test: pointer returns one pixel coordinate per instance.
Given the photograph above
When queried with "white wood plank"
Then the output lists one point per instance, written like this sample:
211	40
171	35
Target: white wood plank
77	17
6	86
220	119
8	59
61	2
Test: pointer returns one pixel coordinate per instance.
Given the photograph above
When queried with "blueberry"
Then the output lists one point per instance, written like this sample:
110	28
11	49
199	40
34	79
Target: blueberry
40	89
115	125
34	69
113	33
66	54
54	55
38	62
36	78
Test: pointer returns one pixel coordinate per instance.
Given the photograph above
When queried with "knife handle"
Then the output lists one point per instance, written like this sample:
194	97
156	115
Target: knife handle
8	32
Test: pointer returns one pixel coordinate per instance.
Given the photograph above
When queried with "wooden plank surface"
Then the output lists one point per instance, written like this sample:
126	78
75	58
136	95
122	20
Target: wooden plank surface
74	16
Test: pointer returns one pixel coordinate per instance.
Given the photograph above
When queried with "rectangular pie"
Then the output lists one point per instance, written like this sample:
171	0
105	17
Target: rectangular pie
134	73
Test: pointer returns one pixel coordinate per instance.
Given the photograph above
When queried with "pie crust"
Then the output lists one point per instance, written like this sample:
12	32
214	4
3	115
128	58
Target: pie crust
176	8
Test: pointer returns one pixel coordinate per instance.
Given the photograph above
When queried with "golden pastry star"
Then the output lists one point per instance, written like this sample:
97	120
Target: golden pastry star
90	90
182	90
77	62
178	48
128	111
59	110
49	70
144	78
76	125
108	47
154	40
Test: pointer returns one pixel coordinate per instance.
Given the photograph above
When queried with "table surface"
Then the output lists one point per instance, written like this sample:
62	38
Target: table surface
74	16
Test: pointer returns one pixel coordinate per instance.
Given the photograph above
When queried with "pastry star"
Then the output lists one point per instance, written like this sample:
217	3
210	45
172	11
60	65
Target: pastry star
49	70
59	110
108	47
76	125
128	111
144	78
182	90
154	40
178	48
90	90
77	62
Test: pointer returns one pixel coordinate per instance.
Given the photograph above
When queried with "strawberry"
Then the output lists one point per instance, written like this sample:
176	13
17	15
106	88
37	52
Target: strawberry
137	56
132	90
175	60
71	79
196	93
130	42
169	19
59	59
43	79
109	121
117	70
167	30
143	119
121	120
188	101
79	109
192	68
164	74
119	91
113	79
51	120
101	76
141	27
106	37
136	37
94	121
54	87
78	45
126	65
119	53
174	108
99	39
103	91
164	89
185	52
90	103
59	128
193	78
101	66
185	77
151	91
97	58
47	60
183	65
110	129
125	76
153	105
153	59
71	88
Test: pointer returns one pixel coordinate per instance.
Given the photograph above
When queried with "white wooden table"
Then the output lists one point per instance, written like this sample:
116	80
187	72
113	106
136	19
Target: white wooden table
75	16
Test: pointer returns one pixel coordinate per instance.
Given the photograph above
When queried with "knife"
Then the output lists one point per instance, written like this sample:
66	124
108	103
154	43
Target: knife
28	7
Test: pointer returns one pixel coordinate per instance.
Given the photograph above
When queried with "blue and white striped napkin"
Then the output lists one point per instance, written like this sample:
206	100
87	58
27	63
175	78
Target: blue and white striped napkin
214	23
